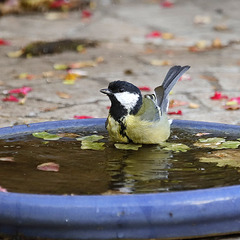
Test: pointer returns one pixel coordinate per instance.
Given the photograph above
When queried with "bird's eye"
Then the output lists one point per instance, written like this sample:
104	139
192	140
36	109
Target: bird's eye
121	90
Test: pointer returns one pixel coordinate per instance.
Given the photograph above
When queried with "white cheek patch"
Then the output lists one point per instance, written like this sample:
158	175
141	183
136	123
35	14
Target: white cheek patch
127	99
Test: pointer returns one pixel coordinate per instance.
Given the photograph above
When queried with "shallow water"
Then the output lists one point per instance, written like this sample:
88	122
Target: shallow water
111	171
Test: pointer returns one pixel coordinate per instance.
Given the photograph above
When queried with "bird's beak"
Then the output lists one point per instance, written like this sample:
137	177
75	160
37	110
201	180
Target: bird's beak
106	91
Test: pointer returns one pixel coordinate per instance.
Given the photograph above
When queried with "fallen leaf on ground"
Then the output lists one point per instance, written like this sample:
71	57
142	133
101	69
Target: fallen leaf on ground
46	136
159	62
63	95
167	36
26	76
59	66
202	19
83	64
129	146
7	159
217	43
78	72
193	105
221	27
49	167
176	103
15	54
82	117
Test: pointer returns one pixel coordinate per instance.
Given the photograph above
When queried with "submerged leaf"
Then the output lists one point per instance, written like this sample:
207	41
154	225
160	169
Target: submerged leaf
49	167
216	143
92	145
46	136
91	138
223	158
175	147
7	159
129	146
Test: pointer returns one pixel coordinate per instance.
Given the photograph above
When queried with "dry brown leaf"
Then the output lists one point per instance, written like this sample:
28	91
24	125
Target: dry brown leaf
63	95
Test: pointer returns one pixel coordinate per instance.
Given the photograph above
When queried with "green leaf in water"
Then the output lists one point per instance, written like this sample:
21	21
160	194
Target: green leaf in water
46	136
229	144
211	140
92	145
216	143
222	158
175	147
128	146
91	138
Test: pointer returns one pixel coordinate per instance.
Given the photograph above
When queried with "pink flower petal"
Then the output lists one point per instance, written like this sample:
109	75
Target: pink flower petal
82	117
86	14
4	42
145	88
49	167
3	189
179	112
154	34
218	96
22	90
10	98
166	4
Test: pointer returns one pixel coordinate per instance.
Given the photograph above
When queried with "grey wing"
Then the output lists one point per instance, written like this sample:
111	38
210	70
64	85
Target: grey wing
170	80
149	110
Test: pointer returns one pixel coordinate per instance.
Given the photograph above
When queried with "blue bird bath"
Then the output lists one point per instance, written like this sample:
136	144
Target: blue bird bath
183	214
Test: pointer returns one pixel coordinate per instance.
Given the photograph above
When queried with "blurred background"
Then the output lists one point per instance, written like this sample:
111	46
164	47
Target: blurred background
55	55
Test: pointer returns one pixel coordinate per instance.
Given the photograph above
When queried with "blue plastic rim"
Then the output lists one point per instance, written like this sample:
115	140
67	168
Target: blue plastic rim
181	214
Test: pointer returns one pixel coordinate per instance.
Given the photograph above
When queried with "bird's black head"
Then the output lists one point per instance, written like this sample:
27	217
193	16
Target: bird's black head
125	97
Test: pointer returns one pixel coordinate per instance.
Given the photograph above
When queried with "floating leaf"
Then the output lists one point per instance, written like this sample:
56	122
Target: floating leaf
49	167
211	140
223	158
229	144
175	147
7	159
129	146
92	145
46	136
91	138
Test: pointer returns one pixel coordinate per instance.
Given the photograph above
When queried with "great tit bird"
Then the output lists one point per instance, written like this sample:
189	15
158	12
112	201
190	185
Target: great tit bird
137	119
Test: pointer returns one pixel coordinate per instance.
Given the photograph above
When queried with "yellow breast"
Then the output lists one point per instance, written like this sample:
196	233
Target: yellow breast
139	131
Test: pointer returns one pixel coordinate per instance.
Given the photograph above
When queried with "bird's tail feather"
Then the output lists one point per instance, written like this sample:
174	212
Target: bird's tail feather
170	80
